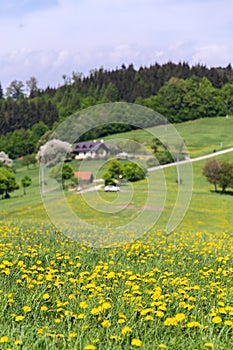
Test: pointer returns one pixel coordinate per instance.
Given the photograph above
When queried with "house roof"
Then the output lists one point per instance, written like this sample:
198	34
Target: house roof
88	146
84	175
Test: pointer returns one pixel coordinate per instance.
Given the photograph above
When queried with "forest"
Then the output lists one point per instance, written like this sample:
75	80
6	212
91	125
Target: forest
179	92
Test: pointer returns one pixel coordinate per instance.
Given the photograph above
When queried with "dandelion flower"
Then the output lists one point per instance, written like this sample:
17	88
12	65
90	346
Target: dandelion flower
126	330
136	342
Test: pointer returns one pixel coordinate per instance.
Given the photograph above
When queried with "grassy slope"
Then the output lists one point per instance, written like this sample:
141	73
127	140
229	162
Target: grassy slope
201	136
207	209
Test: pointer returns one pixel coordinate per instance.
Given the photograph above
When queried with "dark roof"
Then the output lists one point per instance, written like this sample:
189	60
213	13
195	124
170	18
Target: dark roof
88	146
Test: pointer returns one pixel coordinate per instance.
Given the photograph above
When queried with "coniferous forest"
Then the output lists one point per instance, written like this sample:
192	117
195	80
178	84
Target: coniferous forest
180	92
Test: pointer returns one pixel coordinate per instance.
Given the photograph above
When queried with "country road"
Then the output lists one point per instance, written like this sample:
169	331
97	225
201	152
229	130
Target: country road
191	160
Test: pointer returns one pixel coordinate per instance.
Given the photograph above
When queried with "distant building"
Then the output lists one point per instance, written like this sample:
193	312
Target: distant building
84	176
93	150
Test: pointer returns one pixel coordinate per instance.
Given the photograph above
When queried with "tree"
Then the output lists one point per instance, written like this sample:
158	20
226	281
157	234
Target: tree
32	87
211	170
61	172
29	159
25	182
7	182
15	90
133	172
1	91
225	178
53	152
114	171
219	173
4	159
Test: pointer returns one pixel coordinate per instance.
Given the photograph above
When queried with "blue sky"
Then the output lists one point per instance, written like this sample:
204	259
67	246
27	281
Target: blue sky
50	38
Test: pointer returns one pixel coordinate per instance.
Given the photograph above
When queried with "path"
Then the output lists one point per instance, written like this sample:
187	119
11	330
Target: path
191	160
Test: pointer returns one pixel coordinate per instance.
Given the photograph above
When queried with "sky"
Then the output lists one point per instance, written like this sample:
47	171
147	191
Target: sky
48	39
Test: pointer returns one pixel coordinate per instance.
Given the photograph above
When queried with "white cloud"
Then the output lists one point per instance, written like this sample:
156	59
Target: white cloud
79	35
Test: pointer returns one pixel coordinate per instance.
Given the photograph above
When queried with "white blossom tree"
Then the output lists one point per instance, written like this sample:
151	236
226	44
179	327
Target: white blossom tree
53	152
4	159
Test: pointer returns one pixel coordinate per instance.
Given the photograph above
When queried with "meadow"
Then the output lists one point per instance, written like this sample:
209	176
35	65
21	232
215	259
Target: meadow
158	291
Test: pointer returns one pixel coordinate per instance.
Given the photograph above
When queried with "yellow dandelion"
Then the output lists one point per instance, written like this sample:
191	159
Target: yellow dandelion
136	342
171	321
209	345
106	323
19	318
106	305
149	318
121	320
180	317
95	311
162	346
83	305
18	342
27	309
45	296
80	316
126	330
90	347
216	319
73	335
193	324
44	308
4	339
115	337
159	313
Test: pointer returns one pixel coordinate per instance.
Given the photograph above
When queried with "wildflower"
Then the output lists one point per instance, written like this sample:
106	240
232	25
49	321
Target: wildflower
106	305
27	309
171	321
4	339
160	313
149	318
71	296
44	308
228	323
209	345
83	305
45	296
115	337
90	347
95	311
18	342
162	346
106	323
193	324
126	330
121	320
73	335
180	317
19	318
136	342
216	319
80	316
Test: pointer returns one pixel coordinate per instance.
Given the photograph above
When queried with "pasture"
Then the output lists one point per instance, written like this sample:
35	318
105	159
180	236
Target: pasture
152	291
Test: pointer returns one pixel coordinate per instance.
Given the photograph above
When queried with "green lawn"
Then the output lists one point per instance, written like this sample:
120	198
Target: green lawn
201	136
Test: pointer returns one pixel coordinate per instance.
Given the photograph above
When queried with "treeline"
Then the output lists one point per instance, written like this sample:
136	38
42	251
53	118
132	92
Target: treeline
178	91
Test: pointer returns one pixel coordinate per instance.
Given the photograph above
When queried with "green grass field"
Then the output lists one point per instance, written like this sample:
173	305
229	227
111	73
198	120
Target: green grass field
153	291
201	136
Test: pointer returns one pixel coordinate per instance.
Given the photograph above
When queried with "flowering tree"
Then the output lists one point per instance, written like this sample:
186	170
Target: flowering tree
4	159
53	152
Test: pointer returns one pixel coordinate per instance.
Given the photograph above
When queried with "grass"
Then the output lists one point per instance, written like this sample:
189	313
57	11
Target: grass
201	136
154	291
163	292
